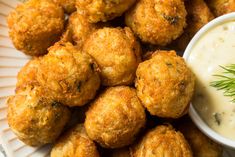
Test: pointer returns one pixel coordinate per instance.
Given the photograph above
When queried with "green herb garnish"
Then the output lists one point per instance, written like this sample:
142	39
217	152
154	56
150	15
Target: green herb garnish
217	117
55	104
169	64
171	19
226	81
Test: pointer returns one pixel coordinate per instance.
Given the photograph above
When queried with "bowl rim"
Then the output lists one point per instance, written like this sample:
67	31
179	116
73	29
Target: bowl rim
203	126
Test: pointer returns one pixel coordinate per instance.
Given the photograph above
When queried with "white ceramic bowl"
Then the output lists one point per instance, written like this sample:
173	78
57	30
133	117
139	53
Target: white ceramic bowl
192	111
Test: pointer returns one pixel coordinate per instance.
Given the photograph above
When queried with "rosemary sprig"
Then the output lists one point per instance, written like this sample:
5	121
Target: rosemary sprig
226	81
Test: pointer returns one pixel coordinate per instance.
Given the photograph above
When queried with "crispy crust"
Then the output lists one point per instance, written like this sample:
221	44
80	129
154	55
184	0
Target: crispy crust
162	141
165	84
103	10
28	75
201	145
73	143
115	117
36	120
36	25
80	28
156	21
198	15
221	7
69	6
117	53
70	76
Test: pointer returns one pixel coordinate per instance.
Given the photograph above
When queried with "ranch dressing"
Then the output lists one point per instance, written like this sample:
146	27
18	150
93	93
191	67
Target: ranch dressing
215	48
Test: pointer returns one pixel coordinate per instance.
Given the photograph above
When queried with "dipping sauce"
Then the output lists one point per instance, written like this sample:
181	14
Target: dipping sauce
216	48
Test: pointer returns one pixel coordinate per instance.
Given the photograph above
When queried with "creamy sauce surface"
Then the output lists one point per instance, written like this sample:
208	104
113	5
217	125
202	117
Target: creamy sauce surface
215	48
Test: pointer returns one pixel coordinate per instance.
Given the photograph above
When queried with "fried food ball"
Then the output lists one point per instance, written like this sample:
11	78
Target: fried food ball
75	143
69	6
36	25
103	10
162	141
27	75
117	53
36	120
198	15
69	75
115	117
201	145
165	84
221	7
80	28
157	22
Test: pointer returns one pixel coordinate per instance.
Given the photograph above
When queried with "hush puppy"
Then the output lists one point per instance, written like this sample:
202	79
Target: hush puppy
80	28
165	84
69	6
115	117
35	25
221	7
201	145
75	143
157	21
103	10
69	75
117	53
27	75
198	15
36	120
162	141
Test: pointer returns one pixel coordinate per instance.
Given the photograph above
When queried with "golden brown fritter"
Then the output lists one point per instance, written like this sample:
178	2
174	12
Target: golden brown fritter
201	145
162	141
75	143
36	120
165	84
35	25
69	75
117	53
198	15
221	7
69	6
157	21
115	117
27	75
103	10
80	28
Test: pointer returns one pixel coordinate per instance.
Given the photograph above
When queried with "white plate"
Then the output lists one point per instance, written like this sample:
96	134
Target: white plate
11	61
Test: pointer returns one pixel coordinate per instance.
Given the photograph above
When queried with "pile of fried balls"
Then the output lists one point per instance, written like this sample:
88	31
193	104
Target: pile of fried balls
105	78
